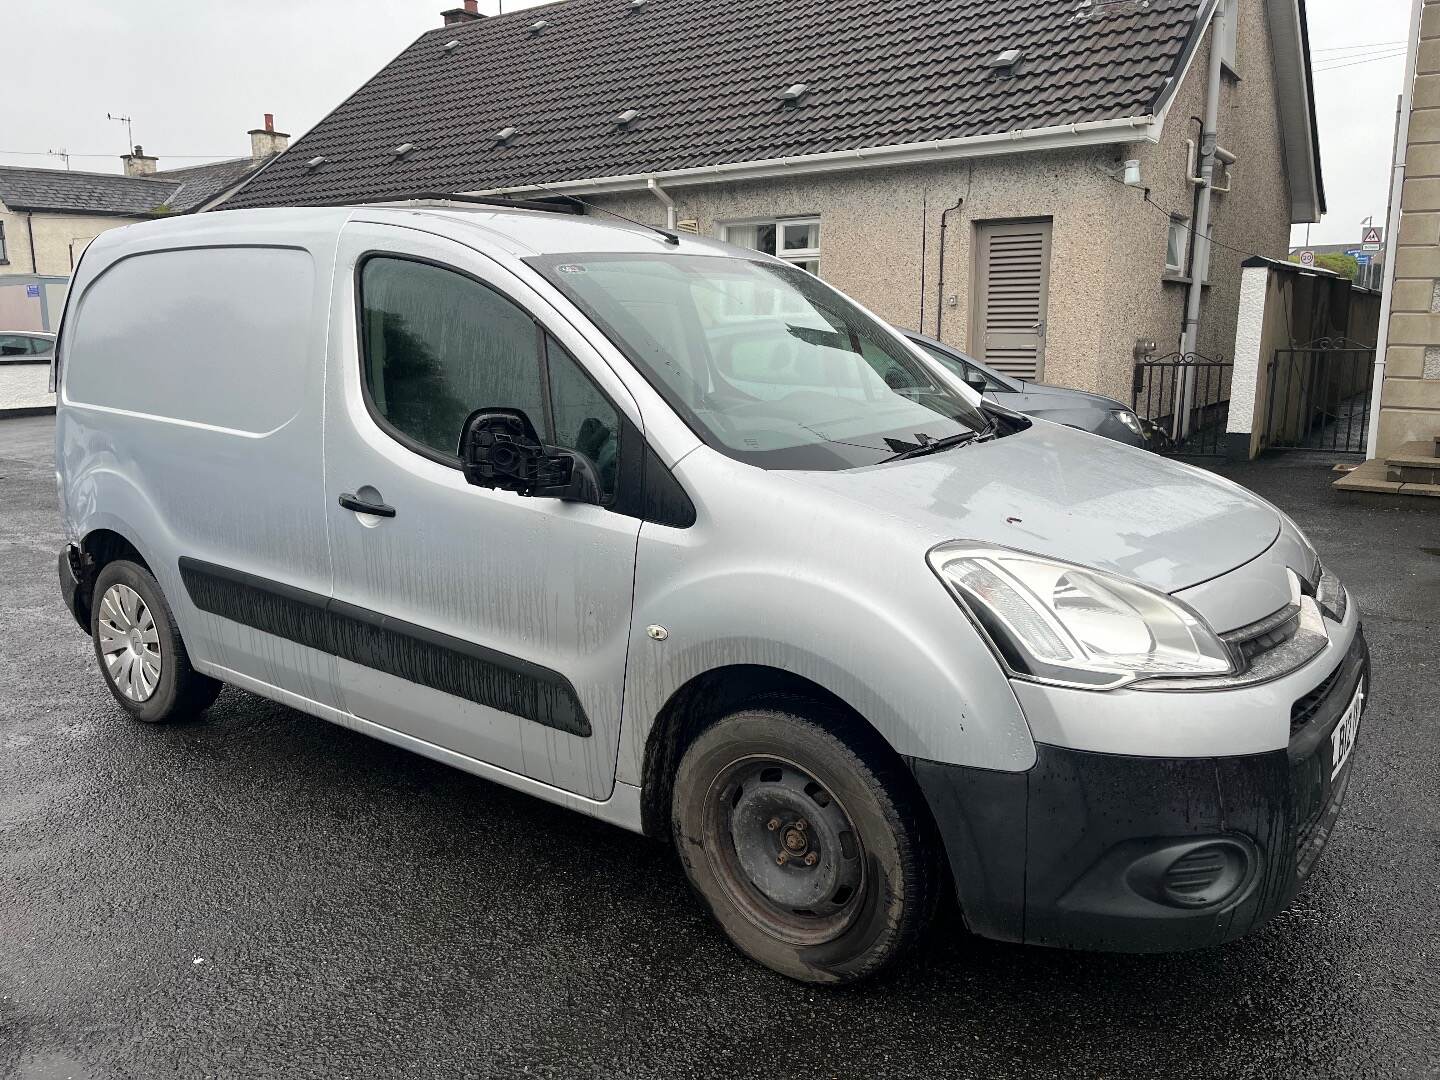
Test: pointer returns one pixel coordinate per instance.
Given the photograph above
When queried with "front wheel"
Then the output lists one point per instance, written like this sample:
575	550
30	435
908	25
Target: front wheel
812	855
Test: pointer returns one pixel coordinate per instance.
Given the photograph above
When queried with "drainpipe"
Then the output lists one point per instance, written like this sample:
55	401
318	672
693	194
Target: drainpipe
940	287
664	196
1392	229
1200	248
30	232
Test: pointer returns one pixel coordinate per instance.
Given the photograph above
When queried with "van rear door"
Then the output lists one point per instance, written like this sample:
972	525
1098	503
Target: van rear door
479	621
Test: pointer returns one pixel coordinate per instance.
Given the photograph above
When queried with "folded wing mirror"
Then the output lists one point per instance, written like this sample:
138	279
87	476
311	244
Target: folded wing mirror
499	448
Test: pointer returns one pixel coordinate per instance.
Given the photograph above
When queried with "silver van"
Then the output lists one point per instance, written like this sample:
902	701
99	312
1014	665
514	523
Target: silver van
677	536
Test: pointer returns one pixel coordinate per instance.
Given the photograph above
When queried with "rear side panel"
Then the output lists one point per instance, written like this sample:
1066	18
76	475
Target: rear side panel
190	423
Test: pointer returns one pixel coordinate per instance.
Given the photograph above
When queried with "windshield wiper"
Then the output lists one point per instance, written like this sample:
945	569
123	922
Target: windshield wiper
934	446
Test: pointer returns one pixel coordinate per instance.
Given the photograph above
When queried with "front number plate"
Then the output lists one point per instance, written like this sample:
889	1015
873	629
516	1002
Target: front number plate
1342	738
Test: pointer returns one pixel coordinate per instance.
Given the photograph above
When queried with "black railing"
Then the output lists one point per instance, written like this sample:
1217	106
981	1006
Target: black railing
1183	400
1319	396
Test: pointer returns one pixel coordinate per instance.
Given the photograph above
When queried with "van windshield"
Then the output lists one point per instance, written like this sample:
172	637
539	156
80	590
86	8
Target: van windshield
764	361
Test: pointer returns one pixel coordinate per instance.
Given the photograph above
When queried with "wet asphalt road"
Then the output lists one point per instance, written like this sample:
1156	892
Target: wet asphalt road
262	894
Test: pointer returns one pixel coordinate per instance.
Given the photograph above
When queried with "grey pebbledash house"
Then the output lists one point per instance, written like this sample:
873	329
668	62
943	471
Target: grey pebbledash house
1020	179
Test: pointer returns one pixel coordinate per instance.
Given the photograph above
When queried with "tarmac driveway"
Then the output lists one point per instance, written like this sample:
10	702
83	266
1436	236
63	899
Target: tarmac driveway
262	894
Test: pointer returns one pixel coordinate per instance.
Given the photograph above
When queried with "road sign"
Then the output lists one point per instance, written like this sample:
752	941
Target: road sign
1370	247
1363	260
1307	258
1373	235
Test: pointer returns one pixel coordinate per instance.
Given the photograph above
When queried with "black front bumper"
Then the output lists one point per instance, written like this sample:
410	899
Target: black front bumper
1136	854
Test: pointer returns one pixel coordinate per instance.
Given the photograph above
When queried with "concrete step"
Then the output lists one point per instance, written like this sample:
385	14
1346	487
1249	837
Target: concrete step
1374	476
1414	463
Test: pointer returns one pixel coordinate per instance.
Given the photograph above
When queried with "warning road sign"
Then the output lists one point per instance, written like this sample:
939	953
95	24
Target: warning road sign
1373	235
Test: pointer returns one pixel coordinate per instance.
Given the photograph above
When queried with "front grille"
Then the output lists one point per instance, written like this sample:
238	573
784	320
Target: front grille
1304	709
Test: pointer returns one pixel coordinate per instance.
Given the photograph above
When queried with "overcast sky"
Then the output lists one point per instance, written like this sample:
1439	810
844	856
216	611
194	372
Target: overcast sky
195	75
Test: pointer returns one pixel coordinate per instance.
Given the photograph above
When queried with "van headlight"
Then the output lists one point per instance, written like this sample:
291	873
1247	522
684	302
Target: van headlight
1067	624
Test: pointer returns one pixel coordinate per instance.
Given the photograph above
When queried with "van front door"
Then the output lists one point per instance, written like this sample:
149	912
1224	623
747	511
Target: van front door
478	621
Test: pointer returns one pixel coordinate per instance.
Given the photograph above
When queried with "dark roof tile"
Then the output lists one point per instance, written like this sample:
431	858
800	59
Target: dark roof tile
81	192
170	191
704	79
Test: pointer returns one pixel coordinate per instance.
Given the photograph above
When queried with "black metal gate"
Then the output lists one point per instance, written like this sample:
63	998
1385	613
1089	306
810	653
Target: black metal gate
1319	396
1183	399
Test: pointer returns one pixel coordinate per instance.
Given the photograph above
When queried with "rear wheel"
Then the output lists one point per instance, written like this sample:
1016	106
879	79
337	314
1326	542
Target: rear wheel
139	649
810	853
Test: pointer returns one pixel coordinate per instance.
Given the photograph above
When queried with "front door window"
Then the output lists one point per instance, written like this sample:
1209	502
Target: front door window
438	345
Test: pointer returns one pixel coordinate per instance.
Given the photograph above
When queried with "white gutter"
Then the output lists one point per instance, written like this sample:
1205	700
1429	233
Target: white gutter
664	196
1392	228
1070	136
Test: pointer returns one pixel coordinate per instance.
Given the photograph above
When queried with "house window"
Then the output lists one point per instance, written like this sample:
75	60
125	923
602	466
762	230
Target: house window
4	256
1177	242
796	240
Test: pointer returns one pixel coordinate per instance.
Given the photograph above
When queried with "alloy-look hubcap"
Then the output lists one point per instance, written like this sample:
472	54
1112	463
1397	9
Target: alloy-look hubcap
129	642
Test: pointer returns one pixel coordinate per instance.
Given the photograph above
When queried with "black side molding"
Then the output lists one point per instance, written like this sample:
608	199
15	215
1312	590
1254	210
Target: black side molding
416	653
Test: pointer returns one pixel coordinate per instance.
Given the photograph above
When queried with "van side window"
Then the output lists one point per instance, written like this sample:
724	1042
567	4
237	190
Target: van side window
584	420
437	345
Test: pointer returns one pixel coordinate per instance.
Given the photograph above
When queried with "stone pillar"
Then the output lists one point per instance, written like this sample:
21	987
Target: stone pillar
1410	397
1244	424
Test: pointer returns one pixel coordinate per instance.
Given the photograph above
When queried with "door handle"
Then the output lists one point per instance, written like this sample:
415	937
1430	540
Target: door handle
360	506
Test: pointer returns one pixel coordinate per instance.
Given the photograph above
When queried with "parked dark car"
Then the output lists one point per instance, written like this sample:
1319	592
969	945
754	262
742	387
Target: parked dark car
1073	408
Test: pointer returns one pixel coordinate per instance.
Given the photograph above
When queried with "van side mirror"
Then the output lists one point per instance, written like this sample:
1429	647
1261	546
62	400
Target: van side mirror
499	448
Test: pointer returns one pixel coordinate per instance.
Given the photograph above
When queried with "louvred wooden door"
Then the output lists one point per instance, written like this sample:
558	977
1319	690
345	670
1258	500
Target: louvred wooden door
1011	290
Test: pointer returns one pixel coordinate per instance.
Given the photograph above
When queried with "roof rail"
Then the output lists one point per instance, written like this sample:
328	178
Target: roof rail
480	200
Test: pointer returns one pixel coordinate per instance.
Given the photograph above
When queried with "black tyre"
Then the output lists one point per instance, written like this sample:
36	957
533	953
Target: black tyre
813	855
139	650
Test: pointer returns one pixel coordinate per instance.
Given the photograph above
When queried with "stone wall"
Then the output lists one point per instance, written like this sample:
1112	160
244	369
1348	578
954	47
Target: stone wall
25	386
1410	397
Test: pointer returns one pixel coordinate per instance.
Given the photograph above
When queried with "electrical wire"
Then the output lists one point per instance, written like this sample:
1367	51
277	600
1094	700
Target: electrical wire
47	153
1391	56
1349	48
1327	61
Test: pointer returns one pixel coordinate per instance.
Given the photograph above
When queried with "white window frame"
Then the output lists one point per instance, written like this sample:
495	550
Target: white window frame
795	255
1183	226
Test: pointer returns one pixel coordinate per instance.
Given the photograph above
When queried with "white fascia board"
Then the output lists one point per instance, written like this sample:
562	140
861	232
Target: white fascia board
1292	101
1192	50
1126	129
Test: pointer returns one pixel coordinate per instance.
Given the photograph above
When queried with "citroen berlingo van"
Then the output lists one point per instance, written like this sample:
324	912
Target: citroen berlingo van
675	535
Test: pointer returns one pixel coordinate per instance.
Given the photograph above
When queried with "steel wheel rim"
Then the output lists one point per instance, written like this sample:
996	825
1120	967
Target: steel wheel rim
129	642
753	810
